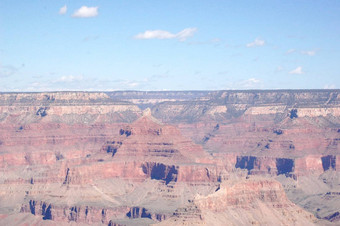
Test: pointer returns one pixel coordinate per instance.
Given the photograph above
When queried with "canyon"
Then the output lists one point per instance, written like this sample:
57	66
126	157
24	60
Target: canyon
252	157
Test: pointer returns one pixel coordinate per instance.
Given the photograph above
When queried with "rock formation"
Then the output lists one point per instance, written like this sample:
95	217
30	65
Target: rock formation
170	158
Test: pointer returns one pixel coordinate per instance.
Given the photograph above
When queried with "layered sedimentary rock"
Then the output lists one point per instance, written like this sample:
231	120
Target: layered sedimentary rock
243	202
191	157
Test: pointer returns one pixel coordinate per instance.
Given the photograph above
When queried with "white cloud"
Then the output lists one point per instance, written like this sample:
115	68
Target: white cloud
160	34
127	84
155	34
250	83
290	51
132	84
309	52
297	71
70	78
257	42
63	10
84	12
327	86
186	33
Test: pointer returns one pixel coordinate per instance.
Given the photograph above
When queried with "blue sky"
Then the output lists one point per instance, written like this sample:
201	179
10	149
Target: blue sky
169	45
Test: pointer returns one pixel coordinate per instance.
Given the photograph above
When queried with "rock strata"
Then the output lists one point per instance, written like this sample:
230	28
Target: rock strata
170	158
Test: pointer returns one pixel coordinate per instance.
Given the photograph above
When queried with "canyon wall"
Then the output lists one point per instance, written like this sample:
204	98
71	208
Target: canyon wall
119	158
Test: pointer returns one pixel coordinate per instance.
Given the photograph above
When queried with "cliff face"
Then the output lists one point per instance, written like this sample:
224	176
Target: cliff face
121	157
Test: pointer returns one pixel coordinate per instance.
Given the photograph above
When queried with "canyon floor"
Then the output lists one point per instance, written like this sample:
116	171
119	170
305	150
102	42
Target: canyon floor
170	158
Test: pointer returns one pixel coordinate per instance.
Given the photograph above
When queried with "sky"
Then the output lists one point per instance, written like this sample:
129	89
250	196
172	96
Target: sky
102	45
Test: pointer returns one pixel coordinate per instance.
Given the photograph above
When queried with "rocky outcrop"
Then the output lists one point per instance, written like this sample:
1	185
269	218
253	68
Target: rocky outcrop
79	214
239	202
244	194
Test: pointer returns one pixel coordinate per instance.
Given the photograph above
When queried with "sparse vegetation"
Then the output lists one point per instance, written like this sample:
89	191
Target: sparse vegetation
293	114
42	111
278	131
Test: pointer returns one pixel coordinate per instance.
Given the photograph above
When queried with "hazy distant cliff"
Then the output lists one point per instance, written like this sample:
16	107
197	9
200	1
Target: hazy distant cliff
195	103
